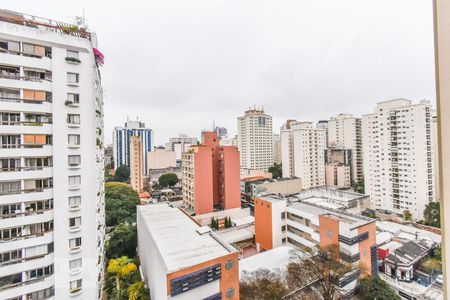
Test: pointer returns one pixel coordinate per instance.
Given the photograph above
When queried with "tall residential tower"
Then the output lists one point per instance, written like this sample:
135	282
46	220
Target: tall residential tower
51	149
255	140
303	152
122	143
398	156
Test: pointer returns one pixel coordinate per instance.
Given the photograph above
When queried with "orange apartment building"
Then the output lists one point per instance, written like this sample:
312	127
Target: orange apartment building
211	175
305	225
181	259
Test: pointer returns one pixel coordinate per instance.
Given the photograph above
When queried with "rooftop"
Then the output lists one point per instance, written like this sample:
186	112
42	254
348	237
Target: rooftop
411	251
276	258
408	232
177	237
354	220
44	23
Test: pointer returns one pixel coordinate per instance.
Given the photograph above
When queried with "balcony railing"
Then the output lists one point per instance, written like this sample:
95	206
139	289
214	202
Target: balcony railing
24	78
19	169
22	259
25	213
13	146
13	52
24	237
24	191
20	100
23	283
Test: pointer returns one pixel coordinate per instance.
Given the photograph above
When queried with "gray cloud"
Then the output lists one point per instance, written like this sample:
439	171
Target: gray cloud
180	64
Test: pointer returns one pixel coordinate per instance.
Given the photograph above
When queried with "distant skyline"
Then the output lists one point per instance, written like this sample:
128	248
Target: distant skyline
179	65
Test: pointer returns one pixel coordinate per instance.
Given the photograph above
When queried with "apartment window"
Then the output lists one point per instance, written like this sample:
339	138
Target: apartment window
74	243
74	201
283	215
9	46
9	141
75	180
74	222
74	98
283	228
9	187
73	119
10	256
229	265
73	54
74	160
75	264
75	286
73	78
9	118
9	164
230	292
74	139
41	295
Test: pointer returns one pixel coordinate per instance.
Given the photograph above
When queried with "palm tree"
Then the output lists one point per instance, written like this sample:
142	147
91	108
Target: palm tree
136	291
120	268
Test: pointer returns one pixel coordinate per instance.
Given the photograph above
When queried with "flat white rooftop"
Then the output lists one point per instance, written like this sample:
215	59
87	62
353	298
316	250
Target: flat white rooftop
276	258
177	239
354	220
324	202
408	232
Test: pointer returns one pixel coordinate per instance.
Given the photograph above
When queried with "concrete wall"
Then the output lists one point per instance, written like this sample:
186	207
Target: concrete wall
161	159
442	48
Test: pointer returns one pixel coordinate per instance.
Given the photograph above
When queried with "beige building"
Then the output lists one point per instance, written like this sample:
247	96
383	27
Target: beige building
344	132
303	153
442	51
338	168
255	140
136	164
337	175
161	159
276	148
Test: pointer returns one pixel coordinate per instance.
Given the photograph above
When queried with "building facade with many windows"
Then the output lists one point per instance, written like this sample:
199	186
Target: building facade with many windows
344	133
255	140
51	153
398	156
122	143
303	152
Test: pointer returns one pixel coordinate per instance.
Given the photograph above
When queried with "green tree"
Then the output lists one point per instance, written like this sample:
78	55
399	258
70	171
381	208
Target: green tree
407	215
137	291
276	170
320	267
120	269
123	241
262	284
373	287
168	180
120	203
432	214
122	174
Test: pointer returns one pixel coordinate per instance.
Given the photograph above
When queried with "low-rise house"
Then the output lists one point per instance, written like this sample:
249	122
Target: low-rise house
404	261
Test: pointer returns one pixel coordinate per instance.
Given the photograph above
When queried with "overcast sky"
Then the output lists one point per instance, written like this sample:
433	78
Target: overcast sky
180	64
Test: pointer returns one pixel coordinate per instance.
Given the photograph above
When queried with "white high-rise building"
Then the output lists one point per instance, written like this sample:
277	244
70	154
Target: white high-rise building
255	140
398	156
303	153
52	218
122	143
344	132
